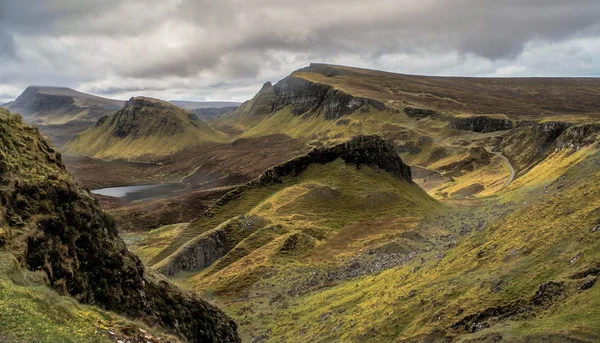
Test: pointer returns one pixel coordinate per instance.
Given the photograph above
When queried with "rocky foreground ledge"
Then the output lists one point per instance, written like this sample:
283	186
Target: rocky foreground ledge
56	228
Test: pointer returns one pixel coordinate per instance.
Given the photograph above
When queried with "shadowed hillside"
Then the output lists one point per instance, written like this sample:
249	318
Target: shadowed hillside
57	105
53	232
61	113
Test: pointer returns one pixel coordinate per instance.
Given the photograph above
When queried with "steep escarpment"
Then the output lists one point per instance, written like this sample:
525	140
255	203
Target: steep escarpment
529	144
56	228
143	128
372	151
308	97
301	97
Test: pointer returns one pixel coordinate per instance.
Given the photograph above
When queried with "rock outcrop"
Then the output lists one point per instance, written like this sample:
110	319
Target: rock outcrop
142	117
481	124
211	246
307	97
420	113
263	101
577	137
372	151
58	229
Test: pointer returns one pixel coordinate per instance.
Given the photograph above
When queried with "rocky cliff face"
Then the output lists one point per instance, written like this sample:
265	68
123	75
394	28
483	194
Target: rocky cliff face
481	124
211	246
31	101
263	102
527	145
372	151
577	137
57	228
304	96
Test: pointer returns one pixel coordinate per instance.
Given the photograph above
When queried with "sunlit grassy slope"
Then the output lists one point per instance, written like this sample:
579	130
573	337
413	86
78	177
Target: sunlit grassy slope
322	199
30	312
355	255
144	128
469	259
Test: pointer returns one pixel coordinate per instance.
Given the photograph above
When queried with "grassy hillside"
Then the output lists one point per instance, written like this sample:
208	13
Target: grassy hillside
30	312
54	236
337	253
144	128
446	127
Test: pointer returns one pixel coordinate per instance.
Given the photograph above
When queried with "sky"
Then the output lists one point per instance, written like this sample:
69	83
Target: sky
210	50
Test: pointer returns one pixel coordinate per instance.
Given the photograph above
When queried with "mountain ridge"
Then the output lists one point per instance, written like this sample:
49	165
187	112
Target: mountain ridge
60	105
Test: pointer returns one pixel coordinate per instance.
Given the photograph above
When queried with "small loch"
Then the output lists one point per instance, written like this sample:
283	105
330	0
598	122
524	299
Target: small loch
141	192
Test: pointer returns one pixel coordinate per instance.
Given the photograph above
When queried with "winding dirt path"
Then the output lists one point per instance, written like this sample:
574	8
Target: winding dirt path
512	170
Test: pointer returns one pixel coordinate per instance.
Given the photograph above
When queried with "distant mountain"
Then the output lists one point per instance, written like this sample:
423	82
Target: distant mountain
207	110
193	105
58	105
143	128
207	114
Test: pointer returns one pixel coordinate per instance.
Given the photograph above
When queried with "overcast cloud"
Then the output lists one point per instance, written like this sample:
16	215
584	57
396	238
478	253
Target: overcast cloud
226	49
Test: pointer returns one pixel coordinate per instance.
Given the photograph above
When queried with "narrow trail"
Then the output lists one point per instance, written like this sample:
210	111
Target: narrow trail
512	170
190	174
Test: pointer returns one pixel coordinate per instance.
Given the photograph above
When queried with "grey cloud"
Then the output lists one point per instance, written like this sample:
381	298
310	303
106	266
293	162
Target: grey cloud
8	47
202	42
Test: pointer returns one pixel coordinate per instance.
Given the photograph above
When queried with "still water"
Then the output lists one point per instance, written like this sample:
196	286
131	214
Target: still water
141	192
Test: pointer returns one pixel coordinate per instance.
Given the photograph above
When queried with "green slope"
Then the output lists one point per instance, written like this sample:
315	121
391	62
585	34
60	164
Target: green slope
144	128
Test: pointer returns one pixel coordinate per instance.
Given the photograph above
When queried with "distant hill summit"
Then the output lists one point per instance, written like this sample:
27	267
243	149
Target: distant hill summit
59	105
207	110
194	105
143	128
